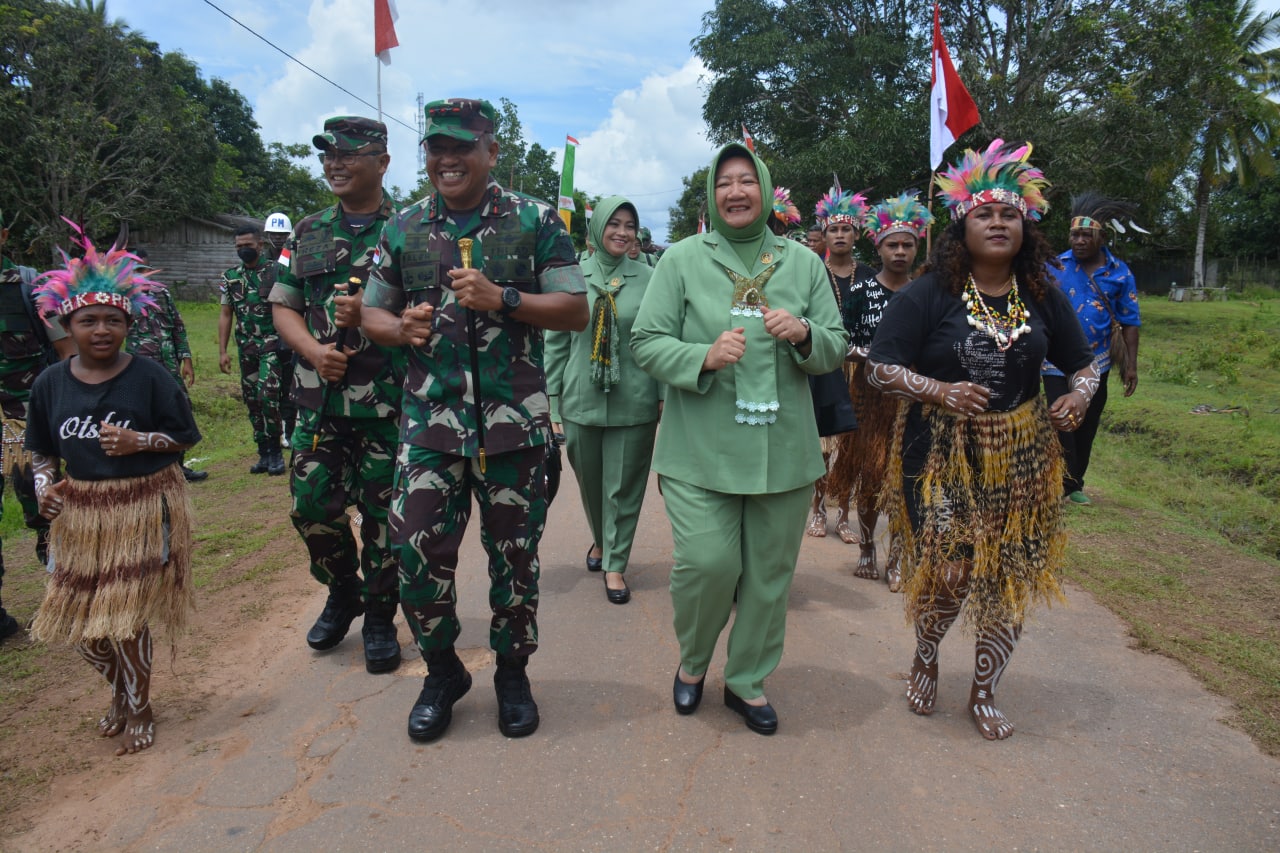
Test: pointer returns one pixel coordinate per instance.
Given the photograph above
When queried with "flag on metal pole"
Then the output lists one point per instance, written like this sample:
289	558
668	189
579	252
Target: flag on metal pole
567	205
748	140
384	29
951	108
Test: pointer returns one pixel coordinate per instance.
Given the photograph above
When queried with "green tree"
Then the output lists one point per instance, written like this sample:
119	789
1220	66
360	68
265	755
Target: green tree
97	129
1235	84
691	205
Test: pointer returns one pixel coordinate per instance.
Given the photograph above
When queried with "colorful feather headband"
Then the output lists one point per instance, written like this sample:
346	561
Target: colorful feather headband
844	206
896	215
999	174
98	278
783	208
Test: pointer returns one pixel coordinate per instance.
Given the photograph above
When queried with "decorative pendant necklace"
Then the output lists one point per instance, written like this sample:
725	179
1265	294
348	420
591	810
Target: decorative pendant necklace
1003	329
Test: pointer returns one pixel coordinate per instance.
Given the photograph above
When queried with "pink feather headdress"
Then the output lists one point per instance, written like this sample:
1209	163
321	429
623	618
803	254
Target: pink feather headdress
998	174
844	206
784	208
895	215
98	278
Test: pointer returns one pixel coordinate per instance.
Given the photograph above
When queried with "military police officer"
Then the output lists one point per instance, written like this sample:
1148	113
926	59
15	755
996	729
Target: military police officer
245	289
347	390
275	233
25	344
475	404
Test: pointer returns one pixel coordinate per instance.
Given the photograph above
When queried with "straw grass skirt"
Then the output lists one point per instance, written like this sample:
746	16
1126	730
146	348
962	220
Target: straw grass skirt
122	559
861	456
990	491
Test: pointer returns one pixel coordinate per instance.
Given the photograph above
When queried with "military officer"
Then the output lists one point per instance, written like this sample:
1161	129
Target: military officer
347	390
476	416
245	289
160	335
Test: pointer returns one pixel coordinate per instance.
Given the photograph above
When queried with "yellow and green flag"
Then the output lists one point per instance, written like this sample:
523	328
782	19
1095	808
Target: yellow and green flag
567	207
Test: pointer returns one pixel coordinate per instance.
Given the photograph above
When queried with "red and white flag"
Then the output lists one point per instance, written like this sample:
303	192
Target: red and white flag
747	140
384	29
951	108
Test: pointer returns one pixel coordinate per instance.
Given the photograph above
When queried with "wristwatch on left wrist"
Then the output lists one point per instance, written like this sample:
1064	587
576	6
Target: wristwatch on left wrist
808	333
510	300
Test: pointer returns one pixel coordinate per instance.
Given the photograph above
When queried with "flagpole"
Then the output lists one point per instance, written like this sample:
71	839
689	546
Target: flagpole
379	64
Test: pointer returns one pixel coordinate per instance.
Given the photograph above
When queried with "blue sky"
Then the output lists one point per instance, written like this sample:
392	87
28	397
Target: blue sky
619	77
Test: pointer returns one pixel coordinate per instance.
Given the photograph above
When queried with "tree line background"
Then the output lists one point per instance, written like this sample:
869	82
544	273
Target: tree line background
1167	103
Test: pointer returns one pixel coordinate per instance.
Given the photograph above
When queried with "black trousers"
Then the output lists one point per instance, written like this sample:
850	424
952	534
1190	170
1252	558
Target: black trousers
1077	446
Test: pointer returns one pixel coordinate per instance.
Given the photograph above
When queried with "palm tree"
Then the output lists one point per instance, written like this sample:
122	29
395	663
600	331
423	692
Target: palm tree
1241	124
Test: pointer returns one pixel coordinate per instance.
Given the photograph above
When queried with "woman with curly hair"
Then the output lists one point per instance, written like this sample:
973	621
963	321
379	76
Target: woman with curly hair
975	468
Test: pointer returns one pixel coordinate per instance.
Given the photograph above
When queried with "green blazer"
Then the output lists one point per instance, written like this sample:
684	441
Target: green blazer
685	309
567	356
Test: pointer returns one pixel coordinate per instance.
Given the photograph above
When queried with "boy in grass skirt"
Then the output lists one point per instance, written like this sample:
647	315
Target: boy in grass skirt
120	533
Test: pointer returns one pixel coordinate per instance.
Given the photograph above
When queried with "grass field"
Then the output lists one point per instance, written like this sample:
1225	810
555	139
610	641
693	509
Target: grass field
1182	541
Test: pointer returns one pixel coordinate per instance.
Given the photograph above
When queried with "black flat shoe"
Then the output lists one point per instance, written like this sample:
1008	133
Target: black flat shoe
687	696
617	596
761	719
594	564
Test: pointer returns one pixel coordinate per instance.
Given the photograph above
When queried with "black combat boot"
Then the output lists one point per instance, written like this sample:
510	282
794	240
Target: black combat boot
264	459
275	461
447	681
517	712
340	610
381	646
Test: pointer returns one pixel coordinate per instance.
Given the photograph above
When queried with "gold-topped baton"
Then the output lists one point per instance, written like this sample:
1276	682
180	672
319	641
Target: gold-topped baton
473	340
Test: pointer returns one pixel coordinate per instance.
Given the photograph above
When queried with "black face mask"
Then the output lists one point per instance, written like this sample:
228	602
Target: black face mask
247	254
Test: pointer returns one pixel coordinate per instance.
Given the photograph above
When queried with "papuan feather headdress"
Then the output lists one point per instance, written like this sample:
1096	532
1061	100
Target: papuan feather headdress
904	214
998	174
843	206
783	208
98	278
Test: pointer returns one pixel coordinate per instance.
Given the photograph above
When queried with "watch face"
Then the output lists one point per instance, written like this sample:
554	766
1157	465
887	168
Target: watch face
511	298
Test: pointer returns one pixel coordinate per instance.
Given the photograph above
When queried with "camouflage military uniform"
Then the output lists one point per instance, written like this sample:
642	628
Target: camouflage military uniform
246	290
353	426
22	357
160	334
521	243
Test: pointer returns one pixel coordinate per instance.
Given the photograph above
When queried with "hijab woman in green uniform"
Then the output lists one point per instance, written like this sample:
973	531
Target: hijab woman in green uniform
608	405
733	322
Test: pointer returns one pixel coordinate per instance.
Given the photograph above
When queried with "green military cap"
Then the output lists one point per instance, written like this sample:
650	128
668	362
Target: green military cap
350	133
645	235
460	118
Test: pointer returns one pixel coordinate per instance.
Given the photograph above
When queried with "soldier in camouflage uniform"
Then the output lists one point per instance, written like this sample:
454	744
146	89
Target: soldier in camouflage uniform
275	232
23	354
347	390
245	289
476	413
160	335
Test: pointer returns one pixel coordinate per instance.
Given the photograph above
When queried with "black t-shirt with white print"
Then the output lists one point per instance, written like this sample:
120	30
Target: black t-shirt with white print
64	414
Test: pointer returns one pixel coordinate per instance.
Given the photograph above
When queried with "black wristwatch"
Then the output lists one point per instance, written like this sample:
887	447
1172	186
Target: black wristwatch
510	300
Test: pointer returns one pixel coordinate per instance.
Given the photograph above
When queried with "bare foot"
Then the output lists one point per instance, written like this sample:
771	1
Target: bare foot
922	685
866	567
139	733
112	722
990	722
847	536
817	525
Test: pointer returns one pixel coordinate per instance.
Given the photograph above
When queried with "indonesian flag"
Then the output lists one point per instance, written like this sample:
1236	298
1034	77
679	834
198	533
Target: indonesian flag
588	210
283	260
384	29
748	140
951	108
567	205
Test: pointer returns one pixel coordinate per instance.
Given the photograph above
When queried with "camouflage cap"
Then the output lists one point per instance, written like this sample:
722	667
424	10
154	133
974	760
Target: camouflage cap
460	118
350	133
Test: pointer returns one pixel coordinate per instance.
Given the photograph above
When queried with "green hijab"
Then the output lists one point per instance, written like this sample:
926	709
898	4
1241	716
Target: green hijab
605	337
746	242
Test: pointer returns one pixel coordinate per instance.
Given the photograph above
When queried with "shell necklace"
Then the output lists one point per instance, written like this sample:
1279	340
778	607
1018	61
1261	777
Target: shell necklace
1003	329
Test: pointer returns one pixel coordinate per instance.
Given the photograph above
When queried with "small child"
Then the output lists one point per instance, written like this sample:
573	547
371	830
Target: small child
120	538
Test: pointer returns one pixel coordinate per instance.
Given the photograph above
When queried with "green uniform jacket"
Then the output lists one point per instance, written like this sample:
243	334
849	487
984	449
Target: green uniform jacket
686	308
574	397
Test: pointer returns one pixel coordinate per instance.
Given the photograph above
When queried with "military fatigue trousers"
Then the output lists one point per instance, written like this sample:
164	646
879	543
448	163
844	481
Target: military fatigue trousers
723	541
611	465
261	387
429	513
352	465
17	470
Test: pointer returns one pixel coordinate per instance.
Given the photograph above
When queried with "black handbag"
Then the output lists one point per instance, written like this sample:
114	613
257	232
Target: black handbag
832	406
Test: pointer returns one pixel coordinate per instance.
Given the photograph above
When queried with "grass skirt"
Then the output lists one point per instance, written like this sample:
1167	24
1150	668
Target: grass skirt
990	491
110	574
862	455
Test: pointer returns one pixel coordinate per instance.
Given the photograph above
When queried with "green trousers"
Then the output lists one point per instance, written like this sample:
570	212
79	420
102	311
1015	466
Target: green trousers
723	542
612	468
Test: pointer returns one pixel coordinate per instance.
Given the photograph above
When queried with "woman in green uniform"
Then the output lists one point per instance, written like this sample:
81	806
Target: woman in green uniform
732	324
608	405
